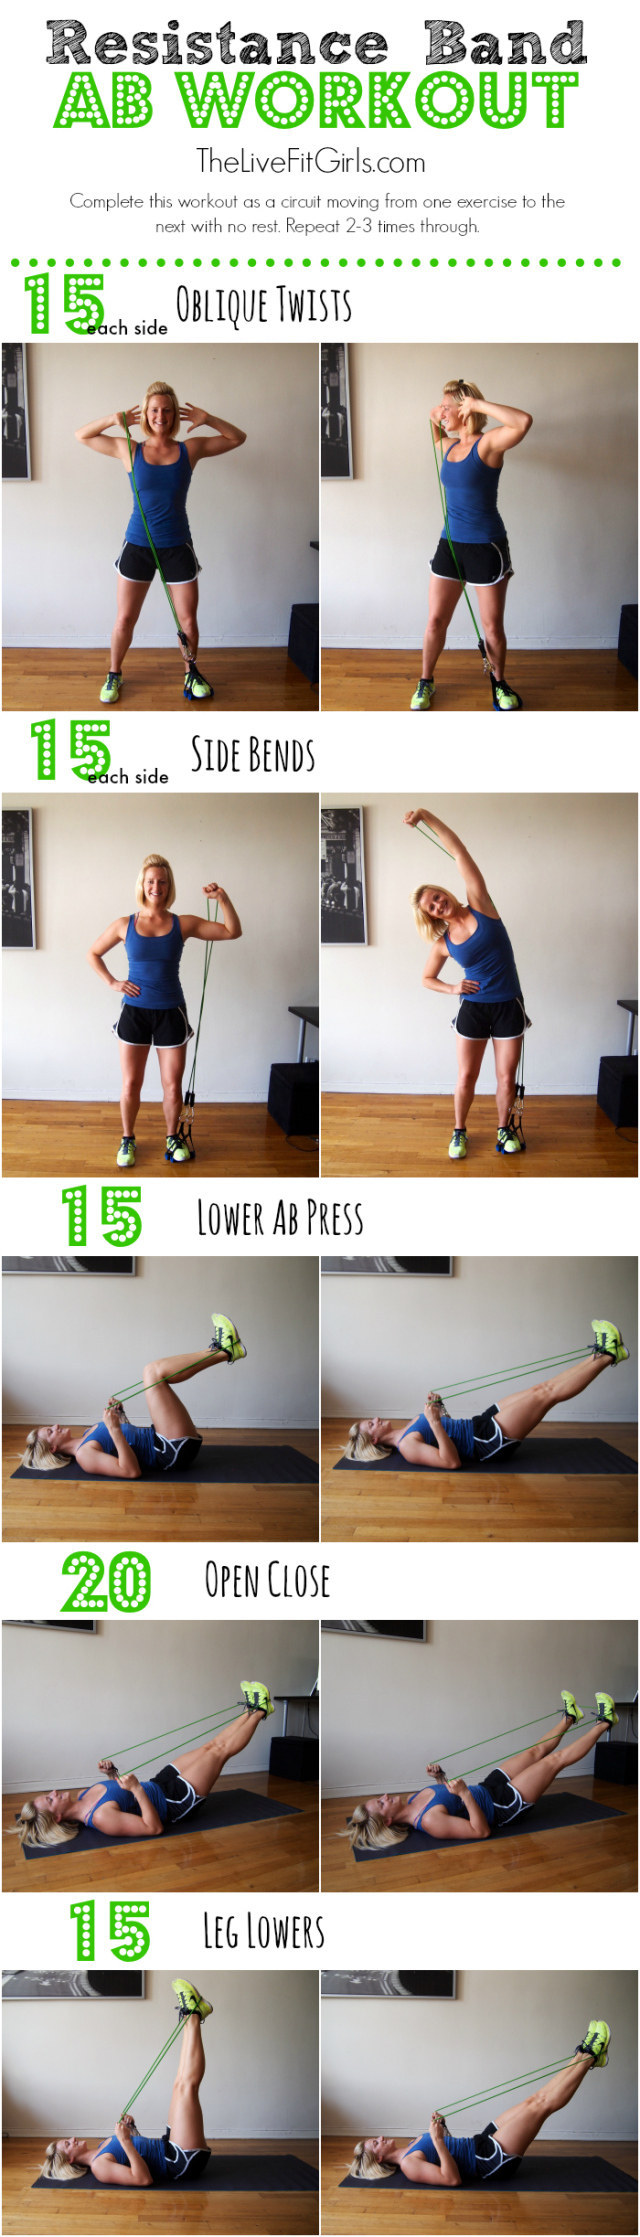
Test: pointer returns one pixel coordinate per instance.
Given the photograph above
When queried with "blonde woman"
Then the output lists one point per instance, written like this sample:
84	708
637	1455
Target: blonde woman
162	469
480	556
436	1439
132	2161
451	1810
153	1010
121	1805
115	1446
449	2161
471	934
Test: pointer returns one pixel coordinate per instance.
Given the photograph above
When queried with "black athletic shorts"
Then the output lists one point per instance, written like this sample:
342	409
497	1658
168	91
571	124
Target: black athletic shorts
174	1453
182	2167
488	1438
491	2157
491	1021
479	564
180	1795
136	563
508	1802
158	1029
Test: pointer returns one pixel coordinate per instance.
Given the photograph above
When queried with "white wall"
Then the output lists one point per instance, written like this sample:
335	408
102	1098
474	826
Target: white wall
572	479
70	1699
386	1339
385	2065
167	1308
389	1707
561	869
69	2065
88	851
252	512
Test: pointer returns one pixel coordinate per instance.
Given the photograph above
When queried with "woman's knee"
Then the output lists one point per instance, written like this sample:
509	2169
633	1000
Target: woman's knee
151	1373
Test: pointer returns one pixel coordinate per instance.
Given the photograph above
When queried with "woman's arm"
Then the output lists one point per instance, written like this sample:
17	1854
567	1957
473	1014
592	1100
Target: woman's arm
111	1819
95	438
202	928
437	957
123	1463
478	1823
137	2171
226	437
419	2170
444	1454
102	946
477	894
512	427
441	1827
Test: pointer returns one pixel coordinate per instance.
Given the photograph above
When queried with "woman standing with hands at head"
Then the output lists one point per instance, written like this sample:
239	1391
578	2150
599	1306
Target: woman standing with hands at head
491	1007
474	547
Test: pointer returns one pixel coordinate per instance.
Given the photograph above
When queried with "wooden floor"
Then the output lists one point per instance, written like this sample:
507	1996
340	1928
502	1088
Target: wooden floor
483	1504
41	1139
553	683
407	1136
589	1857
280	1854
37	2213
246	680
160	1507
463	2213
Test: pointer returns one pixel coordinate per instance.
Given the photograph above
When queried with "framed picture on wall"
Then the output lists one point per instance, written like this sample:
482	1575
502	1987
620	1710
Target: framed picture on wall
66	1987
16	457
34	1623
18	903
422	1266
69	1265
343	906
407	1985
414	1633
336	457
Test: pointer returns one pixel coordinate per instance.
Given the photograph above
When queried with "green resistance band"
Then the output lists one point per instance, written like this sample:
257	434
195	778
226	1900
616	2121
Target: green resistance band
505	1374
183	640
151	2070
450	1753
489	1763
171	1729
445	516
538	2072
205	975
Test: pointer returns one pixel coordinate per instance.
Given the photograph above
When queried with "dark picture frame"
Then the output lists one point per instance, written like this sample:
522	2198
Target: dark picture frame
336	452
18	898
407	1987
411	1634
86	1986
16	449
343	900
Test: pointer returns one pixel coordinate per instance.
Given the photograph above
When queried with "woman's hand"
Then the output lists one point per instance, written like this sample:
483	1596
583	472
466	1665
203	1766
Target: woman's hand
434	1398
456	1786
470	404
110	1413
125	986
435	414
124	2130
436	2128
128	1779
195	414
129	418
215	892
416	815
433	1413
108	1766
437	1772
467	986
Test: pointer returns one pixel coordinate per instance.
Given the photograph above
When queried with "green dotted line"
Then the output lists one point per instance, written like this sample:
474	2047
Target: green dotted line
505	263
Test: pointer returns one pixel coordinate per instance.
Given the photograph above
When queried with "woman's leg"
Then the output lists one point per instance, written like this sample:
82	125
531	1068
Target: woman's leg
185	599
172	1063
491	601
542	1770
131	598
516	1764
516	2129
186	2125
443	599
470	1055
507	1059
520	1413
202	1765
133	1061
168	1414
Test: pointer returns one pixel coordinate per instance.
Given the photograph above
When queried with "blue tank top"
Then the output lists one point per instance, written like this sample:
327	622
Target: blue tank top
487	956
163	490
142	1442
471	491
462	2149
460	1432
126	1800
454	1805
151	2149
154	966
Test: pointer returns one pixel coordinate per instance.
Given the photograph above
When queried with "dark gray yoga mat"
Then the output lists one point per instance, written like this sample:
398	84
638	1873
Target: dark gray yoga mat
216	1464
239	1807
536	1456
534	2174
552	1813
226	2171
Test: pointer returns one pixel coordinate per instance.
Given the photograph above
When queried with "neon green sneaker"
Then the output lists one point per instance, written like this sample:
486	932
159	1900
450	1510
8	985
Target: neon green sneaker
257	1696
226	1339
127	1151
177	1152
571	1708
508	1143
606	1708
608	1343
458	1143
190	2000
423	695
596	2040
195	685
505	700
111	689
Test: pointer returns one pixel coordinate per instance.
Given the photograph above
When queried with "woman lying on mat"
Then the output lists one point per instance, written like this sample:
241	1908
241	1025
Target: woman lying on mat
114	1446
135	2161
449	2161
436	1440
153	1011
449	1810
159	468
143	1808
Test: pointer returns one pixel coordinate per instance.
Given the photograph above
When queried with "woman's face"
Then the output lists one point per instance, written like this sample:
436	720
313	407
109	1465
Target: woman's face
380	2146
54	1436
160	415
56	1802
434	903
385	1806
376	1428
449	413
156	886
